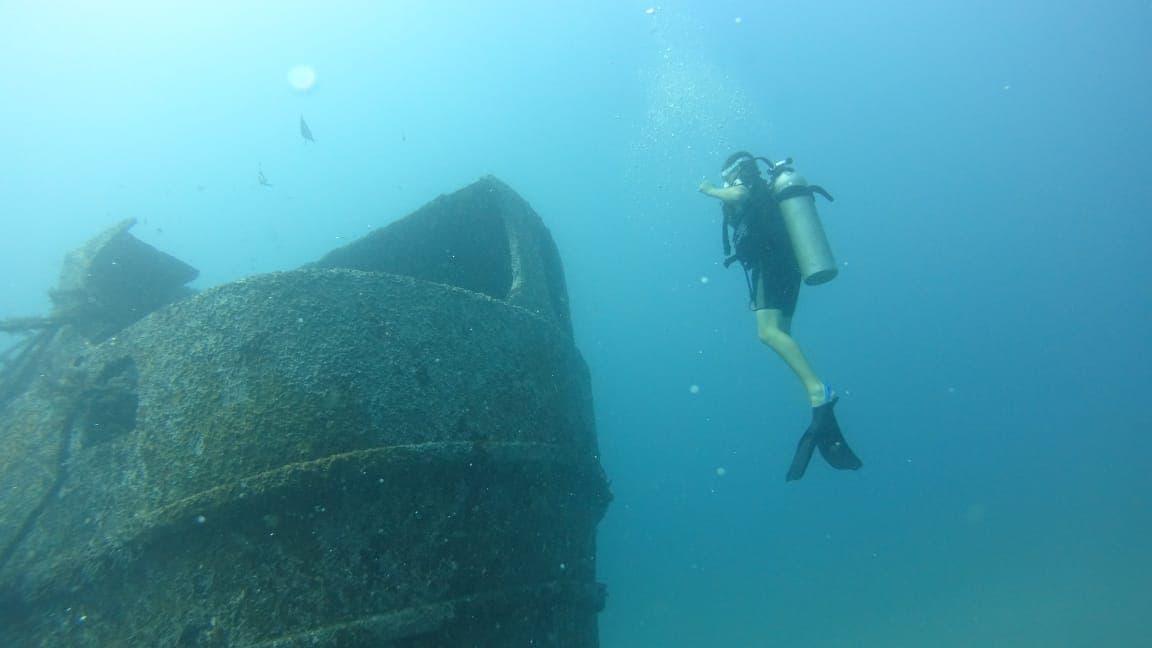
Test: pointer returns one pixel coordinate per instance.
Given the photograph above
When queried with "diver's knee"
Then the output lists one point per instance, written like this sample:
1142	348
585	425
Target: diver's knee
771	336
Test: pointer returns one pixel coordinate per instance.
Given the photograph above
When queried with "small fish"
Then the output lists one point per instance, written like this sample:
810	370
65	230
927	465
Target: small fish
262	180
306	132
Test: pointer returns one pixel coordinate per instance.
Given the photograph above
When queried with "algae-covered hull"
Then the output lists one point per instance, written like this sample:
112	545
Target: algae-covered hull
326	457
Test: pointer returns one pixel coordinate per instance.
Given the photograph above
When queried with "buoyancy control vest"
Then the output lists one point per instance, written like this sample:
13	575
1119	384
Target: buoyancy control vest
779	209
750	224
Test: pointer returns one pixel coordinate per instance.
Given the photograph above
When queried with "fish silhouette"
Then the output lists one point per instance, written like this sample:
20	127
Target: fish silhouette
306	132
263	180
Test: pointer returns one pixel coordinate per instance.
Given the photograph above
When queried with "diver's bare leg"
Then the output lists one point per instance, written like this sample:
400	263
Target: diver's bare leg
774	331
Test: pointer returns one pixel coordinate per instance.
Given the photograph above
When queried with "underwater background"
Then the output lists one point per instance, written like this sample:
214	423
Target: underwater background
988	330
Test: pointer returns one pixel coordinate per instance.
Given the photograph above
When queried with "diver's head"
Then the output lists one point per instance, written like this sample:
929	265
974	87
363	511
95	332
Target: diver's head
740	168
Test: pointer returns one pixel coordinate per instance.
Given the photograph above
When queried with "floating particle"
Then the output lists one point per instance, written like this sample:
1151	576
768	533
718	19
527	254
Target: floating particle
302	77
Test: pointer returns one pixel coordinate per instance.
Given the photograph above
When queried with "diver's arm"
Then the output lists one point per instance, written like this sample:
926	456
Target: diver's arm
733	194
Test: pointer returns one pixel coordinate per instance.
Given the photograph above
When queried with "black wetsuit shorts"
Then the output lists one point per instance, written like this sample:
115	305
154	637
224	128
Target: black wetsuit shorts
774	275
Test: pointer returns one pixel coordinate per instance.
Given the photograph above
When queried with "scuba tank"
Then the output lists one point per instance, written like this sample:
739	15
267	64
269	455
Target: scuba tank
798	209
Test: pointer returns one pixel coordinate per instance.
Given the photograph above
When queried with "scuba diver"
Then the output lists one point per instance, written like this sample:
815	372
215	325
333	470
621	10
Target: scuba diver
777	238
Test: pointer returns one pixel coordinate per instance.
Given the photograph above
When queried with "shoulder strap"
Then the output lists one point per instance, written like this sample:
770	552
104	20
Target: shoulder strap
725	223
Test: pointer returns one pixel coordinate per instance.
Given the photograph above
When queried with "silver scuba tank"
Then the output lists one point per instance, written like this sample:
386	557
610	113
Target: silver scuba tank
798	208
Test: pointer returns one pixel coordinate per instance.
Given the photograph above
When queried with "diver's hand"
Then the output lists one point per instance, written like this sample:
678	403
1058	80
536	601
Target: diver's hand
729	195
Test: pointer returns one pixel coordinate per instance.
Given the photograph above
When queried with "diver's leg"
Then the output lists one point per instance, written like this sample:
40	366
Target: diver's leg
824	432
772	327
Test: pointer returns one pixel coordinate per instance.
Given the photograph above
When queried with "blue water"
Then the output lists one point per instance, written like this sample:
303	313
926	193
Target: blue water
988	330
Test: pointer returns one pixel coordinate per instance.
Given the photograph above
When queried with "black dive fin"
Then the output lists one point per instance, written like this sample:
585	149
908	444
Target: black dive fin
830	440
803	455
823	434
836	452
